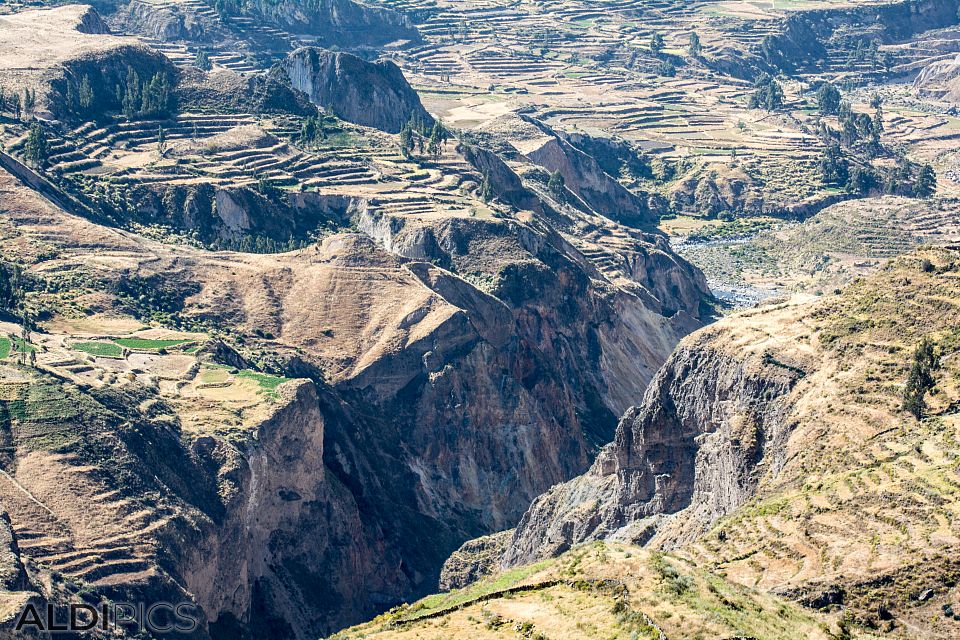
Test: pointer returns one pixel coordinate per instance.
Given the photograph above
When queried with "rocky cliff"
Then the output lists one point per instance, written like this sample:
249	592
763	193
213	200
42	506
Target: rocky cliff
710	420
169	22
278	559
371	94
586	180
807	36
811	40
343	23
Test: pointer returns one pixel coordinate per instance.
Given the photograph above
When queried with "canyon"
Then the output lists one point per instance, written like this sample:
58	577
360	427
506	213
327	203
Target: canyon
309	310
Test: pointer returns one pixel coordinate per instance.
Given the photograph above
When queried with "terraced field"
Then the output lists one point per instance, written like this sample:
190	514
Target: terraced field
109	540
589	67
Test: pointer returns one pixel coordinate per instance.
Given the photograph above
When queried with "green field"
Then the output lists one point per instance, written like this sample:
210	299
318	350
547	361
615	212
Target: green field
4	347
100	349
267	382
144	343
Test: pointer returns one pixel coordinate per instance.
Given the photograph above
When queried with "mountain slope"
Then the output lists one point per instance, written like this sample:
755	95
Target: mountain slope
602	591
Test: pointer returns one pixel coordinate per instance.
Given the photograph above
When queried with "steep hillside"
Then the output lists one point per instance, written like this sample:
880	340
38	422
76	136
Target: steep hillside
773	446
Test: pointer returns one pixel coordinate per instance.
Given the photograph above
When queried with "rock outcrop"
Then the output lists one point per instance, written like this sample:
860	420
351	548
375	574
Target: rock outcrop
940	80
708	420
370	94
583	175
343	23
476	559
168	22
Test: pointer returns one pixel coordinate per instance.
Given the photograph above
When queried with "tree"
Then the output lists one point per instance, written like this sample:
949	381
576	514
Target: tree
833	168
37	149
29	100
161	142
15	106
656	42
861	181
85	94
486	189
926	184
828	99
920	380
438	137
139	99
878	121
695	47
666	69
769	94
202	61
406	140
556	185
11	287
311	130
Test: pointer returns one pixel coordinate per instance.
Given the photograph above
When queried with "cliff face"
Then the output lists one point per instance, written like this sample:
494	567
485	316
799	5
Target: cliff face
584	176
370	94
289	538
169	22
707	422
806	35
803	41
343	23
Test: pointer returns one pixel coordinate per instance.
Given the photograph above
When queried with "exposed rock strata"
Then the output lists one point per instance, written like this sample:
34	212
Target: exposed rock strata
709	422
940	80
370	94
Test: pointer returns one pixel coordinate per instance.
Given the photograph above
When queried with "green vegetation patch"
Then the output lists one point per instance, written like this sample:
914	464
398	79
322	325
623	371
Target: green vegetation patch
100	349
5	346
147	344
267	382
505	580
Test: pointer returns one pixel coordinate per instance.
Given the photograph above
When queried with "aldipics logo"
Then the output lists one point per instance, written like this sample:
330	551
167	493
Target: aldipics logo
158	617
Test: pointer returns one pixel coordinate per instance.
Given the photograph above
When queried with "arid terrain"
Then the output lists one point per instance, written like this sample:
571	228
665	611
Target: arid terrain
482	318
